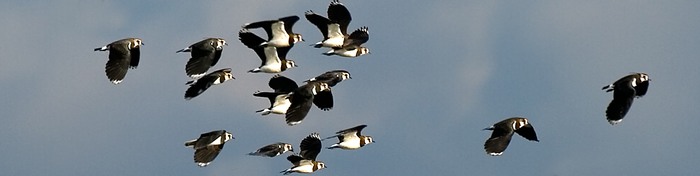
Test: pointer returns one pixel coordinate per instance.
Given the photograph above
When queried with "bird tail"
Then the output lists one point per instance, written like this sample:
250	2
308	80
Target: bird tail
190	143
334	146
104	48
317	45
256	70
188	49
264	111
608	87
329	53
287	172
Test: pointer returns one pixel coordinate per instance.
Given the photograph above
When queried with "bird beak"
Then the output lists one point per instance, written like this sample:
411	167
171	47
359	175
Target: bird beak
489	128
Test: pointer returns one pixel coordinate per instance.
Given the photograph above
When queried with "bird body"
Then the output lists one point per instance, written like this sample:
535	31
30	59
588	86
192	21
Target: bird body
301	101
200	85
123	55
306	161
351	138
279	99
204	55
279	32
273	150
624	91
334	28
273	59
208	146
503	132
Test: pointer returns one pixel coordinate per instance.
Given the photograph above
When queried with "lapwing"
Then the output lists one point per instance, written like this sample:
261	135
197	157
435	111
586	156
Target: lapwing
332	77
334	28
352	45
301	100
273	58
208	146
503	132
625	90
351	138
205	54
279	32
200	85
123	54
273	150
306	162
324	99
348	51
279	102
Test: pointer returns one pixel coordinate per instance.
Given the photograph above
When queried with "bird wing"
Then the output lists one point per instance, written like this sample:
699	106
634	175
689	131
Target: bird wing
207	154
338	13
319	21
203	57
324	100
201	85
289	23
357	38
528	132
641	88
252	41
207	138
282	84
310	146
266	25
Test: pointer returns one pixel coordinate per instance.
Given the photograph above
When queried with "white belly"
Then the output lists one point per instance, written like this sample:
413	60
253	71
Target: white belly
304	169
281	108
271	68
350	144
334	42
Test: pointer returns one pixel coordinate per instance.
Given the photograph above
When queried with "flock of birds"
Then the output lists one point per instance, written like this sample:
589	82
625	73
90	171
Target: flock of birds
294	101
286	98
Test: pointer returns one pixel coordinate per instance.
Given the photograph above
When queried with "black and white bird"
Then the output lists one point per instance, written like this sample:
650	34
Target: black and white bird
208	146
332	77
334	28
200	85
503	132
306	161
301	100
205	54
324	99
123	54
279	101
348	51
279	32
625	90
273	150
351	138
274	59
352	45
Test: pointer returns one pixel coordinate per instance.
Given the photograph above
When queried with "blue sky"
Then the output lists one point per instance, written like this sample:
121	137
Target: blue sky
438	73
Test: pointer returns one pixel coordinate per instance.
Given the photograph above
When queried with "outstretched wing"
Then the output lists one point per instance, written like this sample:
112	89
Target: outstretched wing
319	21
324	100
282	84
528	132
338	13
357	38
252	41
310	146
